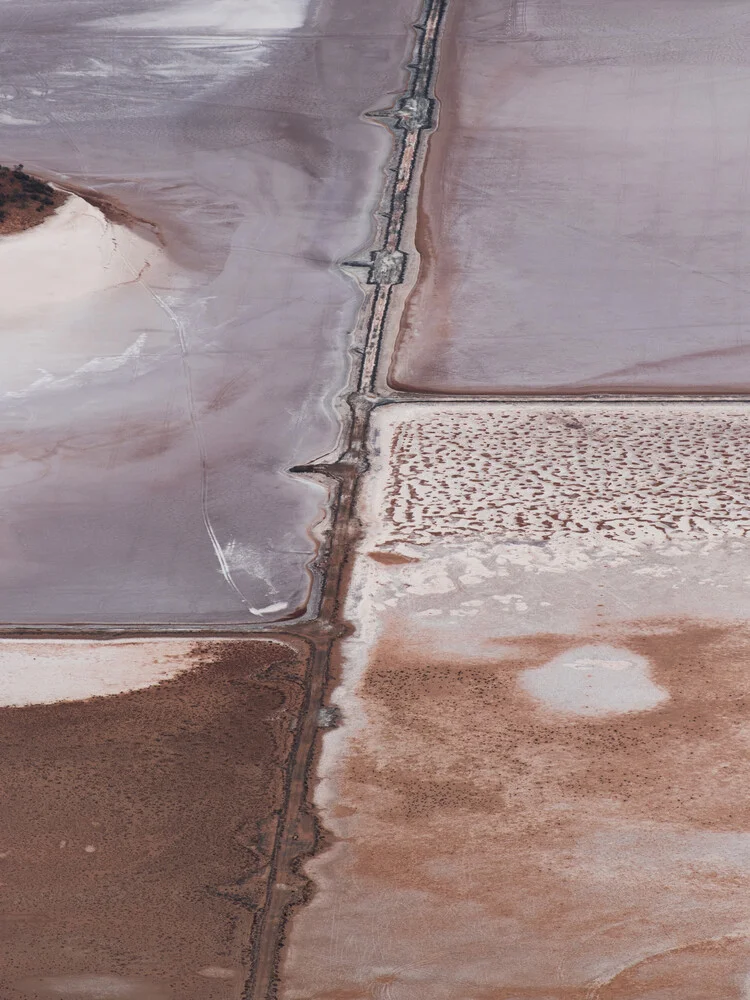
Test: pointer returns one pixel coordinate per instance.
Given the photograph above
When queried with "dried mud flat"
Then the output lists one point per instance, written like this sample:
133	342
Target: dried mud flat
539	789
136	829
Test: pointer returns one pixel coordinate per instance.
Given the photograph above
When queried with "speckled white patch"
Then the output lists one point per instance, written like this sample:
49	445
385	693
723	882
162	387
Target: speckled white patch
535	474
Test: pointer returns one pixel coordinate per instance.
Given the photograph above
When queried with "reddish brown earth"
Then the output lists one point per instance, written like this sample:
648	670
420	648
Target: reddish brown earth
491	848
391	558
659	765
135	829
25	201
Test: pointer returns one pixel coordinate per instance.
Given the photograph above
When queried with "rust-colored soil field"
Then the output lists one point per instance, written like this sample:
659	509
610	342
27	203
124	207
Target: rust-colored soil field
135	831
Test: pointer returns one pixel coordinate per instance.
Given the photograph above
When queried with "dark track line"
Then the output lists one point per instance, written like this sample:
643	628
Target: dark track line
297	837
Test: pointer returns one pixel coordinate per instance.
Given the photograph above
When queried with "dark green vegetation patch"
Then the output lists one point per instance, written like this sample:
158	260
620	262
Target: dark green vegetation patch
24	200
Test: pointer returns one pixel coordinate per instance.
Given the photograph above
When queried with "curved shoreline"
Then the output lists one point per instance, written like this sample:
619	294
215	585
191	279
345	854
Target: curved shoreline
73	253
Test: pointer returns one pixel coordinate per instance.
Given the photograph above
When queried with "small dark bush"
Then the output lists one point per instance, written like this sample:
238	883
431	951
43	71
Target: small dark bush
22	192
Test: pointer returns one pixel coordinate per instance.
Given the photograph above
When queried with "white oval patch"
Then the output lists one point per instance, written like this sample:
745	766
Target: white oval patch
595	680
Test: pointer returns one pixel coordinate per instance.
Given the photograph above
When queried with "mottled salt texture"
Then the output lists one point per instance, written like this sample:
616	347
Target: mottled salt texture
526	518
539	785
536	474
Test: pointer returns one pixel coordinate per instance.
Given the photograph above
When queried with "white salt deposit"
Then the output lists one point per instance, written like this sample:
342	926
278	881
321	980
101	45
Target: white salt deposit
219	15
595	680
72	254
54	276
34	672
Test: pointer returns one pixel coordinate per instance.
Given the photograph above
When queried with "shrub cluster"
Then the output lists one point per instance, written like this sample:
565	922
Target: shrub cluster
19	189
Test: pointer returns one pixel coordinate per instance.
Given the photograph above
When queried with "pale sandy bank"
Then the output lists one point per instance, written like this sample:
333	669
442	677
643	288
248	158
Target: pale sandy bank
78	298
74	253
38	672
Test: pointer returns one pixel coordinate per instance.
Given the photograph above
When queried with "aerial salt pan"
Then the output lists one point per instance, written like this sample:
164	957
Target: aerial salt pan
538	788
149	454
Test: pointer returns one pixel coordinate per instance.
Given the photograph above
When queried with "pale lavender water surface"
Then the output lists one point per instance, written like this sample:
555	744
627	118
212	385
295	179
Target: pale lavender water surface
583	219
236	128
